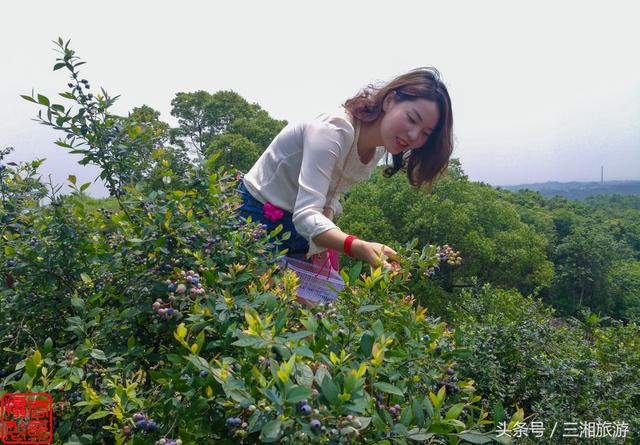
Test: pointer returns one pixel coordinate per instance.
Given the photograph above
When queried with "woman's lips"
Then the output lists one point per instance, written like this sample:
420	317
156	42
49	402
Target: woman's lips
400	144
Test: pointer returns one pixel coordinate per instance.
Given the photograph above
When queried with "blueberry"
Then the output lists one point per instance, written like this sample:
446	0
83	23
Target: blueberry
306	410
315	424
70	85
141	424
3	373
238	421
151	425
195	281
171	287
426	337
136	416
170	311
204	374
453	379
438	349
450	371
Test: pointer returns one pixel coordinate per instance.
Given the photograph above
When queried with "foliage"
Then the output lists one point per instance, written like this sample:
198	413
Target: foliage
168	317
203	118
562	372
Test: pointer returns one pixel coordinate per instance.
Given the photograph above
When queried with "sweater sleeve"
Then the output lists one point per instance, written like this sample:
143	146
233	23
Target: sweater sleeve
322	145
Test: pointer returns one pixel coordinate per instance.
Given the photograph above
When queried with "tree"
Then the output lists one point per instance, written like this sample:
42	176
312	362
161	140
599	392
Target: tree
236	151
203	116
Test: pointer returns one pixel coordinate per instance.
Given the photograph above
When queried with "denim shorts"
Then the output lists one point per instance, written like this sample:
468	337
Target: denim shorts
298	246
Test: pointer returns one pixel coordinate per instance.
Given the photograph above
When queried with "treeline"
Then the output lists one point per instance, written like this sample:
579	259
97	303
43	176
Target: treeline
574	255
580	190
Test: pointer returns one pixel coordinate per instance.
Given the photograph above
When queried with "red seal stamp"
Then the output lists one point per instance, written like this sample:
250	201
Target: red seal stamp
26	418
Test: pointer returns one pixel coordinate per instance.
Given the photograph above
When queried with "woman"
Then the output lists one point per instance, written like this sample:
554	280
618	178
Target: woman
298	179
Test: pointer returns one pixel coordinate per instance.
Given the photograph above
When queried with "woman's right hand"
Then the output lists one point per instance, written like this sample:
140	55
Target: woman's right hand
371	252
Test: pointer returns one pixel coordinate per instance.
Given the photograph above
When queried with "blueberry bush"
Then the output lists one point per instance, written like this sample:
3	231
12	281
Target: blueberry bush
162	318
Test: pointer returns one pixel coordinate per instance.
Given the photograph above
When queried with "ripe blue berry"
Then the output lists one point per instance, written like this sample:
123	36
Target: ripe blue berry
204	373
426	337
151	425
141	424
195	280
306	410
171	287
315	424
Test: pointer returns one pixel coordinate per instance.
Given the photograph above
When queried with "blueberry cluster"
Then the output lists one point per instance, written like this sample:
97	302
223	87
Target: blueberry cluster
143	423
305	408
446	253
167	441
325	310
164	313
190	278
259	231
449	383
234	422
75	397
394	410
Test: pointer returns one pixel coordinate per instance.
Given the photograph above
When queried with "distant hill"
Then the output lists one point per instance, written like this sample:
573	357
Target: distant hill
579	190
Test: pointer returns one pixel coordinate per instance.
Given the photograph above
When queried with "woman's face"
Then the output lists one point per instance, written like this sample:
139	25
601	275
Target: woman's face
406	125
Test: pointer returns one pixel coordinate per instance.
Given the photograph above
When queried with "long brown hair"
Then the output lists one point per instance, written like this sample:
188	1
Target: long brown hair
427	163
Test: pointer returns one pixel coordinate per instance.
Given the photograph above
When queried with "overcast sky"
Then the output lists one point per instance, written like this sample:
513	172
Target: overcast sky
541	91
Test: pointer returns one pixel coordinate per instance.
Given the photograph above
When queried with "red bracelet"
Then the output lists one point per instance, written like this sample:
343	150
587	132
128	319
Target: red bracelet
347	244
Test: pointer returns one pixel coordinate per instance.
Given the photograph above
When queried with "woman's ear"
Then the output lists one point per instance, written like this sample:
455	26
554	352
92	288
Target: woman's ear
390	97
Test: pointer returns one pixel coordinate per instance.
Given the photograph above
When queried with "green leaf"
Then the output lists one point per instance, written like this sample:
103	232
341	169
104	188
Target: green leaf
86	279
84	186
454	411
366	344
271	432
57	66
29	98
354	272
388	388
78	303
419	434
369	308
43	100
475	437
498	412
48	345
329	390
418	412
98	354
378	328
298	393
99	415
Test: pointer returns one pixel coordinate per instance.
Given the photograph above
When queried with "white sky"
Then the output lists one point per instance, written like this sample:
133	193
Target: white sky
541	91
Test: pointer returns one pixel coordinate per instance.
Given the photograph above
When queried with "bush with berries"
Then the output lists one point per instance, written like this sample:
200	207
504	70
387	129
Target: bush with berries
171	321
